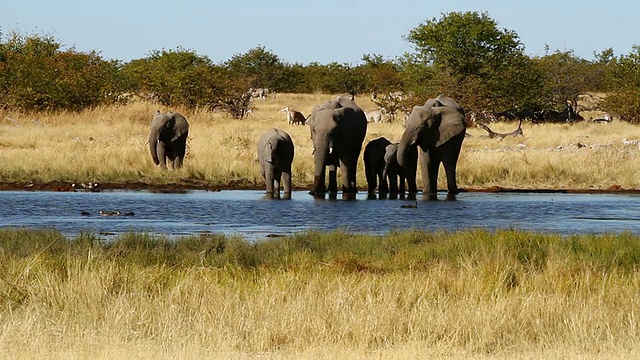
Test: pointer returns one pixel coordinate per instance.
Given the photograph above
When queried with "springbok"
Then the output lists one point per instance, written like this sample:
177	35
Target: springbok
293	116
374	116
259	93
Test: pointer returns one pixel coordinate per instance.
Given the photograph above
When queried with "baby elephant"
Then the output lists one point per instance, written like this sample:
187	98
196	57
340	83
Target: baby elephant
383	171
374	166
395	173
275	155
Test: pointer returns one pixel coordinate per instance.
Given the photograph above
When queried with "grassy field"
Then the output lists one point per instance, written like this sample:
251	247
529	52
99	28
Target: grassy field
409	295
108	145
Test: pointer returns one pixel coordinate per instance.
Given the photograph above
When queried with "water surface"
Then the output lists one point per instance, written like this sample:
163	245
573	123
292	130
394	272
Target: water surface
249	214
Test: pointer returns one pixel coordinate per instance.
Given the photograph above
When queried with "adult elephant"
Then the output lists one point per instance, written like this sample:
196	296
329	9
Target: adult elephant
338	128
275	155
168	139
438	128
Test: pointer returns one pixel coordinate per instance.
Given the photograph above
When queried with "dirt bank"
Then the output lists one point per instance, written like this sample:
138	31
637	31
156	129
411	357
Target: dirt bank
186	185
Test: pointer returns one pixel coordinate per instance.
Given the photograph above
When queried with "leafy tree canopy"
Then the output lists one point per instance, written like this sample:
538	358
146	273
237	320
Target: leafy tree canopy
466	43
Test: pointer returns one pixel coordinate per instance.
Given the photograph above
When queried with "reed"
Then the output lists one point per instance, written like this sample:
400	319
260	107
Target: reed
412	294
109	145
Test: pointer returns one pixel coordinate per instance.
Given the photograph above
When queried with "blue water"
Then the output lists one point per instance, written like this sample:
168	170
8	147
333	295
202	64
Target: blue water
249	214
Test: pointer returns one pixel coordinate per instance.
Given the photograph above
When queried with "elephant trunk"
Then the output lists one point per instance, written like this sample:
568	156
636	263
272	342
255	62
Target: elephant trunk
154	136
408	139
320	155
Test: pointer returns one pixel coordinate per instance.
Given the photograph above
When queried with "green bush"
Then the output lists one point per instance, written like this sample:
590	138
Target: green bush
37	74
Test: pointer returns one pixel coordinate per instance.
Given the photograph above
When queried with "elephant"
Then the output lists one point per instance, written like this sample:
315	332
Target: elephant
168	139
396	174
374	165
438	128
381	164
338	128
275	155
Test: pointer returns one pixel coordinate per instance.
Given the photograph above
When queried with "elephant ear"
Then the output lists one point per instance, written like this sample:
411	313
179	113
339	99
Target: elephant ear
341	113
180	125
450	123
390	153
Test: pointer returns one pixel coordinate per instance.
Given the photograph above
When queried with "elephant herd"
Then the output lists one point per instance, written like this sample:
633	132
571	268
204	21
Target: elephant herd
433	133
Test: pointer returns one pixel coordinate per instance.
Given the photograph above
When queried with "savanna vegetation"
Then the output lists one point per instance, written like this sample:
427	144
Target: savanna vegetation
108	144
464	55
70	117
405	295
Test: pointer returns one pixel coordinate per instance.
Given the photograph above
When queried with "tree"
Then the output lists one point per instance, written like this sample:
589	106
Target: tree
565	77
177	77
37	74
381	76
472	60
260	68
624	100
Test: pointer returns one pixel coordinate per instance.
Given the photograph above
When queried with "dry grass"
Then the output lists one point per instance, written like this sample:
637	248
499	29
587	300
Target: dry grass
406	296
109	145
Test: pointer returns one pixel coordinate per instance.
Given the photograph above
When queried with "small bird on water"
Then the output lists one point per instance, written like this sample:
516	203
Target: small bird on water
109	213
410	206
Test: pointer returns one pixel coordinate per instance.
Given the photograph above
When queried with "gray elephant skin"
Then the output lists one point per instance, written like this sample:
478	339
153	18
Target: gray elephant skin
275	155
168	139
374	164
338	128
438	128
382	169
396	174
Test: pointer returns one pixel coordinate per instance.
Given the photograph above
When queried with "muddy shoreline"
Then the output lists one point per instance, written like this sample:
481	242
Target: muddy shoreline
188	185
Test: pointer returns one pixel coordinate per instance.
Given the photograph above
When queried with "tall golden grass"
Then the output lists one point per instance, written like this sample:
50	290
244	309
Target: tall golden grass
109	145
411	295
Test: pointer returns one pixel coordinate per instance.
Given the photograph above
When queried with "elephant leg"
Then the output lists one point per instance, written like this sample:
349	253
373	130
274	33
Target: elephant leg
318	184
333	179
449	155
401	181
371	179
178	159
162	155
410	174
393	182
286	179
384	185
269	179
430	165
277	177
348	175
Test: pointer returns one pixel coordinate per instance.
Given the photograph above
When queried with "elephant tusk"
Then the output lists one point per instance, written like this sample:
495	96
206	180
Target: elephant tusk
313	151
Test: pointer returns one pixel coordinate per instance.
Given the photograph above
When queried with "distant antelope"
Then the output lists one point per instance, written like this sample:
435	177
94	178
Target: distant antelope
374	116
259	93
293	116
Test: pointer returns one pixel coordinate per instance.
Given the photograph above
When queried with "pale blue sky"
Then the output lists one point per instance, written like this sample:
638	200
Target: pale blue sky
306	31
